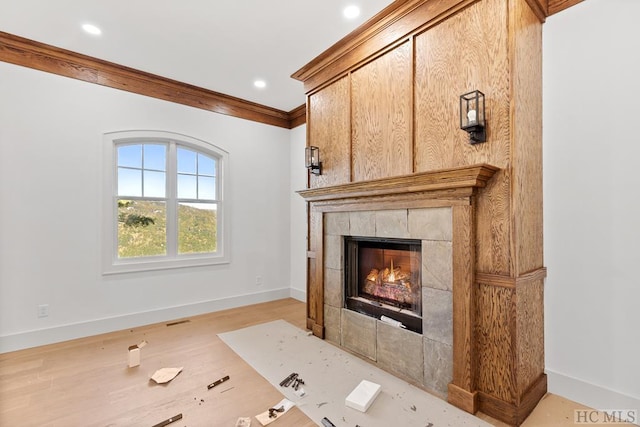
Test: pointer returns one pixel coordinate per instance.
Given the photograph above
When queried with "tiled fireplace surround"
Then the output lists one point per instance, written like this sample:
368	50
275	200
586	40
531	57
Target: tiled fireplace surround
438	208
424	359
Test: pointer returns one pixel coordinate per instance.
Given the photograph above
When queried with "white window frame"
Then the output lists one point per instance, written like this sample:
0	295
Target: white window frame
114	265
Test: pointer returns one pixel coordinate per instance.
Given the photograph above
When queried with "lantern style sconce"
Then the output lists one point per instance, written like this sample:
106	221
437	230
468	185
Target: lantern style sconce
312	160
472	116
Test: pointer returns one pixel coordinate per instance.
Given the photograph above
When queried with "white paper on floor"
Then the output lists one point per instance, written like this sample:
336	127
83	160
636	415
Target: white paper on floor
277	349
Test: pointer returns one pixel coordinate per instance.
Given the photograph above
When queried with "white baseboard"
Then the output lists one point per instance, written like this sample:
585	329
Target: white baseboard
61	333
590	395
298	294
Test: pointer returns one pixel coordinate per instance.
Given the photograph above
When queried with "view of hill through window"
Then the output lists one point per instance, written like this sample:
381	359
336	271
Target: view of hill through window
142	228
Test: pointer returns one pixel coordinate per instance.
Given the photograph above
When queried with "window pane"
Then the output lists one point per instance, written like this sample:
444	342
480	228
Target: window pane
186	161
197	228
206	165
187	187
130	155
141	228
129	182
155	157
206	188
154	184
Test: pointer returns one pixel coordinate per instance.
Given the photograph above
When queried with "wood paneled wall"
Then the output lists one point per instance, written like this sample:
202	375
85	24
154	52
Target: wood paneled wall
468	51
526	140
330	110
396	112
382	116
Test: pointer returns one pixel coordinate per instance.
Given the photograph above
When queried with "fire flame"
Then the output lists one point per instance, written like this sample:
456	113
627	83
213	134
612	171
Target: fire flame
392	274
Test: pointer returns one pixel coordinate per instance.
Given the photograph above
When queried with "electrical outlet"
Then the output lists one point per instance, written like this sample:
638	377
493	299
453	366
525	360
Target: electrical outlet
43	310
258	280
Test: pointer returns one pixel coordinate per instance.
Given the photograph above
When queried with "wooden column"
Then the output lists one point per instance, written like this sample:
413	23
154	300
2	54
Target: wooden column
315	273
462	390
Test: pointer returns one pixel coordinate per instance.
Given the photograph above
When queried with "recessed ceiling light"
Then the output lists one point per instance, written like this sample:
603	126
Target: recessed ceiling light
260	84
351	12
92	29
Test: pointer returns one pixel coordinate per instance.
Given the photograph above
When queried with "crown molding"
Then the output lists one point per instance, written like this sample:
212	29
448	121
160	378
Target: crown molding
556	6
393	25
43	57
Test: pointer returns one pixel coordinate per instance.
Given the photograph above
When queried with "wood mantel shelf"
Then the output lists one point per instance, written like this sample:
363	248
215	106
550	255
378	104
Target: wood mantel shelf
470	177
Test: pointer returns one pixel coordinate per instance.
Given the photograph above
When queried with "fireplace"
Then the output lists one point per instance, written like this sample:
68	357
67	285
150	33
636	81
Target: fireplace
383	279
439	210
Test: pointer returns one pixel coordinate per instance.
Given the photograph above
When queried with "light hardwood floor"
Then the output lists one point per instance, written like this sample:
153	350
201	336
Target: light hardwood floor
86	382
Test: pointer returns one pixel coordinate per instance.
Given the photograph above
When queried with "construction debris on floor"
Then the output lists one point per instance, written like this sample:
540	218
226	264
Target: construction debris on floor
218	382
363	395
169	421
134	354
326	423
295	381
165	375
275	412
243	422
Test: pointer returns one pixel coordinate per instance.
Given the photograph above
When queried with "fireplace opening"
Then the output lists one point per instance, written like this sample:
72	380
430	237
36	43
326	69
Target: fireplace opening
383	280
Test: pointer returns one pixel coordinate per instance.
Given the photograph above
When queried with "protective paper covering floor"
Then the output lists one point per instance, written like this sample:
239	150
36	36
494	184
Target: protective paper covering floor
276	349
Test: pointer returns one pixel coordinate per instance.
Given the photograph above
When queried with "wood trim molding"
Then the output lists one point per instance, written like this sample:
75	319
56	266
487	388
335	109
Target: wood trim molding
392	25
509	412
475	176
539	8
511	282
463	399
297	116
556	6
395	23
39	56
464	324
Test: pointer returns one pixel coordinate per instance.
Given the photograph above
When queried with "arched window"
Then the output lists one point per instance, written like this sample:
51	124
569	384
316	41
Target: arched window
164	202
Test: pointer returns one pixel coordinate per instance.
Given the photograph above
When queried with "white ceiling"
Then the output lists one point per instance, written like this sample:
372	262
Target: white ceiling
214	44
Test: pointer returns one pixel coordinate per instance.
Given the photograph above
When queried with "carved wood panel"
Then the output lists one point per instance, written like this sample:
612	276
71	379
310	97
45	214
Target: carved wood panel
496	341
382	116
468	51
530	326
329	130
527	136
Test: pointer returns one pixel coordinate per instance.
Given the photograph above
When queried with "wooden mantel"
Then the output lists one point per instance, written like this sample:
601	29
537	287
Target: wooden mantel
461	178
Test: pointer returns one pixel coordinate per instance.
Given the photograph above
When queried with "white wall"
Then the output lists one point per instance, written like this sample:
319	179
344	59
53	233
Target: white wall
591	78
50	181
298	278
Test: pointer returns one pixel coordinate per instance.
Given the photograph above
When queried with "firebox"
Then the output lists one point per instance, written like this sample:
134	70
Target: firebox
383	280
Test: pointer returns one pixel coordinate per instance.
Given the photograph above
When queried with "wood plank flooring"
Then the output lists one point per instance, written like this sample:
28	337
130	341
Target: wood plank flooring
86	382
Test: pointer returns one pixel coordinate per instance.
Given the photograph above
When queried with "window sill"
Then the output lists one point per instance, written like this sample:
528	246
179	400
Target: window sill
162	264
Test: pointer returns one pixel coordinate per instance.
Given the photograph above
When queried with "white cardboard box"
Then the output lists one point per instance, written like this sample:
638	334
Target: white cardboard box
363	395
134	354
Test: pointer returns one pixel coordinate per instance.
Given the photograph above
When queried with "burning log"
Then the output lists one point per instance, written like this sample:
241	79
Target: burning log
392	283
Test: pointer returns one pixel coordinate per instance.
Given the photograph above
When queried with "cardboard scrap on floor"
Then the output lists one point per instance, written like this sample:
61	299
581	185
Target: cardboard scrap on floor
165	375
134	354
243	422
264	418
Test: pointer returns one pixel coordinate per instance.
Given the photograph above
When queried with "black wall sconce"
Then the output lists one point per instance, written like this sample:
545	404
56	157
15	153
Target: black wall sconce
312	160
472	116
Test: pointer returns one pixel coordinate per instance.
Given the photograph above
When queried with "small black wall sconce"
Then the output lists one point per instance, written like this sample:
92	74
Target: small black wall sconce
312	160
472	116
